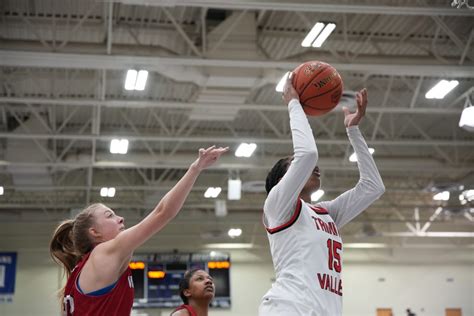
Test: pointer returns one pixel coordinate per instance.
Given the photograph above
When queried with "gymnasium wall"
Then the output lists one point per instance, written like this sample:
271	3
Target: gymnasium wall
424	287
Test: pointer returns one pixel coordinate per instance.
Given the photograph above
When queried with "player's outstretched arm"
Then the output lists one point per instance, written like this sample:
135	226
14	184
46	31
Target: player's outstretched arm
370	186
283	197
169	206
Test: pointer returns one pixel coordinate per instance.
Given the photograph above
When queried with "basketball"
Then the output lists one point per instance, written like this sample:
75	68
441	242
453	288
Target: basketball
319	86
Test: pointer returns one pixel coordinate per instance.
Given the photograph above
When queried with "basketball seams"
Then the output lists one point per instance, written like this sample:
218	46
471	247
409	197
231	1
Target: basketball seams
324	78
319	95
312	78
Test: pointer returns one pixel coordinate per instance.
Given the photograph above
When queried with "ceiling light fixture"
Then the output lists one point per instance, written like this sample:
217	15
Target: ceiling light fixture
119	146
234	189
136	80
107	192
245	150
467	119
441	89
212	192
318	34
441	196
234	232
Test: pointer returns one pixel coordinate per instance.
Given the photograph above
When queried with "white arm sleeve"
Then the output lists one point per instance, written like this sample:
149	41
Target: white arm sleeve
281	201
369	188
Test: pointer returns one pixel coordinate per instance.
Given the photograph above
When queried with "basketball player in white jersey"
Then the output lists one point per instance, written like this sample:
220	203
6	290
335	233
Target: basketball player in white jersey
305	242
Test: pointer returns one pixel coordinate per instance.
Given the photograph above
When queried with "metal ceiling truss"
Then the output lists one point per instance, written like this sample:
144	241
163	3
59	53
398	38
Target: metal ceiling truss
60	71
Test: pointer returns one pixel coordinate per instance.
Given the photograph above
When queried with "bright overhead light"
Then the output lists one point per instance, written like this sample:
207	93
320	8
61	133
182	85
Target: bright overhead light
119	146
234	232
245	150
324	35
111	192
441	89
212	192
1	190
107	192
309	39
141	80
136	80
234	189
318	34
317	195
353	157
468	195
441	196
467	119
281	83
130	79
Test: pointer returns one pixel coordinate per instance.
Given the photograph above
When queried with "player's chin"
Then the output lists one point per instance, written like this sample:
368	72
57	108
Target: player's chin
209	294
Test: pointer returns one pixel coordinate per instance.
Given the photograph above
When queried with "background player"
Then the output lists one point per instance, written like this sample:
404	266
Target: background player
95	248
197	291
304	239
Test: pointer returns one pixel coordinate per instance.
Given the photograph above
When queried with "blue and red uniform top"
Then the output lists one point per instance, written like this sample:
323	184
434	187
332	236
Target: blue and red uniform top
113	300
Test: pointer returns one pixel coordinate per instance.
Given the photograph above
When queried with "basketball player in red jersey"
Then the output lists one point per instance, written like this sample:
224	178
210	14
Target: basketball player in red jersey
197	291
95	248
304	238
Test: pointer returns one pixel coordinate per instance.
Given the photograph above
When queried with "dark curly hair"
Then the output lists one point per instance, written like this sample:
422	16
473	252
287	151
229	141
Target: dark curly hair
277	172
184	284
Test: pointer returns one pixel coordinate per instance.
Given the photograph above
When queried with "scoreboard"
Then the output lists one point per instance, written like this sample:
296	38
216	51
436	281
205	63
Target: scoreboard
156	277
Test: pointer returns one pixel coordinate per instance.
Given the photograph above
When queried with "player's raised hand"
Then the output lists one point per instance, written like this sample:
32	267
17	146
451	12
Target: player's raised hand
289	91
208	156
351	119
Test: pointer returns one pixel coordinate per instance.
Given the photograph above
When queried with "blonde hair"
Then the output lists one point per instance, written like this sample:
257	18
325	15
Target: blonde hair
71	240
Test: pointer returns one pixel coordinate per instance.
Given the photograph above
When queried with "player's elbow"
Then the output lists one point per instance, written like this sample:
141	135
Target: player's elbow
378	189
373	189
310	154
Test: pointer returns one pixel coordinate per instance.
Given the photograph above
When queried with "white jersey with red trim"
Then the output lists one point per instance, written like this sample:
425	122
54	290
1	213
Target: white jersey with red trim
307	254
304	239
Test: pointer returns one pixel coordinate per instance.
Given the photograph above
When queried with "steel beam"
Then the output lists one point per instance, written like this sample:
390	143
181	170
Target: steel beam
231	140
189	106
14	58
308	6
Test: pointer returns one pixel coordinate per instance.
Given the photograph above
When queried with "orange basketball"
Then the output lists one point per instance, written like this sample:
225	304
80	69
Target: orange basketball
319	86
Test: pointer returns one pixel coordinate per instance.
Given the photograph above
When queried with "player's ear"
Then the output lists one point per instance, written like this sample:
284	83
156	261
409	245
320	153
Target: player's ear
94	232
187	293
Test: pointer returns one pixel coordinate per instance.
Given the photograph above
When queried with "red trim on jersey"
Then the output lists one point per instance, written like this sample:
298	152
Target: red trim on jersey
191	310
319	210
292	220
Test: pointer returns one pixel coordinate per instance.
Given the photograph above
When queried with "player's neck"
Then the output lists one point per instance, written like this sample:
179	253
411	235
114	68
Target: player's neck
201	308
305	196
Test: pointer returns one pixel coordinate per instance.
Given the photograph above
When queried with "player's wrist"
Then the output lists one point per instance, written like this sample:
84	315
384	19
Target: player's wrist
294	101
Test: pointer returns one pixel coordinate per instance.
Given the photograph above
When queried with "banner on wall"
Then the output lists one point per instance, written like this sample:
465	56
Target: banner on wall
7	276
